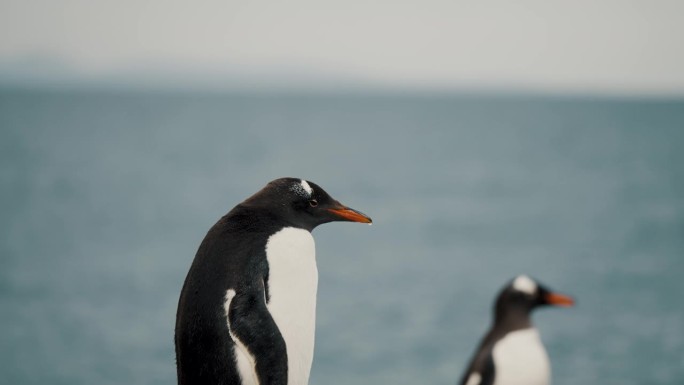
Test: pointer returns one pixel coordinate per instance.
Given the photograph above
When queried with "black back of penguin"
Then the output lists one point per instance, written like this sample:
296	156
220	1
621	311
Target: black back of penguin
232	258
512	310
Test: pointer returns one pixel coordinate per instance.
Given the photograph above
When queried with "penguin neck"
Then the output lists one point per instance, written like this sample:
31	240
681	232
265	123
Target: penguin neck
512	318
257	213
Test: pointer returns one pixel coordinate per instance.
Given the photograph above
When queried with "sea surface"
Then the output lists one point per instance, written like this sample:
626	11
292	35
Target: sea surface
106	195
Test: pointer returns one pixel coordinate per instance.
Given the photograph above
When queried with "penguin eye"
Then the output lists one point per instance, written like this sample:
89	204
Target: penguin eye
313	203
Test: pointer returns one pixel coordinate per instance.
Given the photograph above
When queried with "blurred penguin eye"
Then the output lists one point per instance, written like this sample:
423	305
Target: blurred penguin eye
313	203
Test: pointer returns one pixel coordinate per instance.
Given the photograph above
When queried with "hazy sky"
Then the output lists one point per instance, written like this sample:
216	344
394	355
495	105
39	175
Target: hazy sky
596	45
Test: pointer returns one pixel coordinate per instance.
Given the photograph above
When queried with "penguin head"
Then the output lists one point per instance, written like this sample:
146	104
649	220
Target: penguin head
523	294
303	204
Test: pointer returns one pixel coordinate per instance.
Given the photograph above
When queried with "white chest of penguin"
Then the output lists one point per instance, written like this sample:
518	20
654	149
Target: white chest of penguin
520	359
292	287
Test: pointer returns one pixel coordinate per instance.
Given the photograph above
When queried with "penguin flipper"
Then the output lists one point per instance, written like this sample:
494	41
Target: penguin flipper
253	327
480	372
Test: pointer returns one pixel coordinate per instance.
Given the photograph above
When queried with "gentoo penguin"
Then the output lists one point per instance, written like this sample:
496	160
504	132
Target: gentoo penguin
246	313
512	352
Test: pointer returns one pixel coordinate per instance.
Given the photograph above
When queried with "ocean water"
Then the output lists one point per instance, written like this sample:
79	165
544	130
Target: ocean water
105	197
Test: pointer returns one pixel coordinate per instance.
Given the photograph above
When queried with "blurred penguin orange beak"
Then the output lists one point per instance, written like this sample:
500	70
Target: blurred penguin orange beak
557	299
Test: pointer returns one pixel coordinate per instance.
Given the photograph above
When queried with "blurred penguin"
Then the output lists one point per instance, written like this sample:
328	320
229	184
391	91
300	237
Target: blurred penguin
512	353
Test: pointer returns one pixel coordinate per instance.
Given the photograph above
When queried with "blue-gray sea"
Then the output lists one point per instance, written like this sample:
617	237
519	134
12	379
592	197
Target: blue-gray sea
106	195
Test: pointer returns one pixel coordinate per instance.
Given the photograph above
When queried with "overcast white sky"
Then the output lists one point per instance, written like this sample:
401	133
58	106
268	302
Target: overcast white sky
580	45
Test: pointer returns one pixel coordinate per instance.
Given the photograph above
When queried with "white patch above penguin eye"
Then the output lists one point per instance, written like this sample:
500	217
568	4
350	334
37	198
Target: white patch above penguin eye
302	188
525	284
306	187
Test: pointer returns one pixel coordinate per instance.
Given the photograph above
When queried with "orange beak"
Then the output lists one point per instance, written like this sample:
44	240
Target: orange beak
350	214
558	299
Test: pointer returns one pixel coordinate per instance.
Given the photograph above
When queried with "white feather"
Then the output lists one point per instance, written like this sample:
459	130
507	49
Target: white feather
292	284
474	379
525	284
245	360
520	359
302	188
306	187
